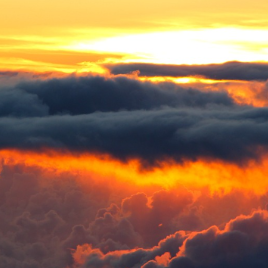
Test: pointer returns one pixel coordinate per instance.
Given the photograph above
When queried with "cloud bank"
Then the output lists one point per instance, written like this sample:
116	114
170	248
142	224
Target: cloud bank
127	119
242	243
58	220
226	71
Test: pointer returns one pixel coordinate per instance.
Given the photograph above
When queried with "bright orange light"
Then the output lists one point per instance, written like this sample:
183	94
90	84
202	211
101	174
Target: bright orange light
251	93
242	92
216	175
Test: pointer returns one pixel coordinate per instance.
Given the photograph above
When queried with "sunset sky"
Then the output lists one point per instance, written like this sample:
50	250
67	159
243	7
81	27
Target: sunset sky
72	37
133	134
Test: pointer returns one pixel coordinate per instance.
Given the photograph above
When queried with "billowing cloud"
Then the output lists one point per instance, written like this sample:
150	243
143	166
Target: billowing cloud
242	243
53	218
130	119
228	134
84	95
226	71
46	219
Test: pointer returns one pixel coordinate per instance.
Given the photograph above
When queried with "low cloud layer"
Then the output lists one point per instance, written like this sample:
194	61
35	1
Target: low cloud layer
243	243
232	135
226	71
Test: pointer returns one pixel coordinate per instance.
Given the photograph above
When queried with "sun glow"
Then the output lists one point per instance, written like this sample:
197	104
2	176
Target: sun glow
185	47
195	46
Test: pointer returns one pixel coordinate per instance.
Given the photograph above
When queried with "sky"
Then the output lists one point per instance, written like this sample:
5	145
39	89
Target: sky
133	134
70	37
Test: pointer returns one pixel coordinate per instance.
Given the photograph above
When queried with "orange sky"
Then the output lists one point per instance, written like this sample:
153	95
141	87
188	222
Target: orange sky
215	175
74	206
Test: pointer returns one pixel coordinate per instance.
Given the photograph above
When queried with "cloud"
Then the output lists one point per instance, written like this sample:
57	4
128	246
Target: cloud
85	95
46	218
43	219
233	135
226	71
134	257
154	217
242	243
57	220
127	119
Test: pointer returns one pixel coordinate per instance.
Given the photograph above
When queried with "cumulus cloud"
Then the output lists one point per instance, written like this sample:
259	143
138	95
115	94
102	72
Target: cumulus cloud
44	219
226	71
56	221
158	211
243	243
84	95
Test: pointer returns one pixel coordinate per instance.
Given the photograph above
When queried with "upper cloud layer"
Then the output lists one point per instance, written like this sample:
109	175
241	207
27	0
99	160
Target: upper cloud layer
86	95
225	71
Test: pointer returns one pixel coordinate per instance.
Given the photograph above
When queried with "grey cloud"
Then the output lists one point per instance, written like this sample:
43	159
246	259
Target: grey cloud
226	71
233	135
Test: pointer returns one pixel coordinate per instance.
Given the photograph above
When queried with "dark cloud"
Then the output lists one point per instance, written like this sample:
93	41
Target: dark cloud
128	118
18	103
84	95
227	134
134	258
226	71
43	218
243	243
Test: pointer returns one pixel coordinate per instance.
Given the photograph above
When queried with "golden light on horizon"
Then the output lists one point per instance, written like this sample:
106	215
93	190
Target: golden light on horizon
193	46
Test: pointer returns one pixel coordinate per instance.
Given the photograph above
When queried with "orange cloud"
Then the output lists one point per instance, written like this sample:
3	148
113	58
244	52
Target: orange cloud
216	175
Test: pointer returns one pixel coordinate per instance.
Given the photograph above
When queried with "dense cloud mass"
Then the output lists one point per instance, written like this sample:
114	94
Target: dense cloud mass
55	219
150	135
226	71
86	95
57	222
127	118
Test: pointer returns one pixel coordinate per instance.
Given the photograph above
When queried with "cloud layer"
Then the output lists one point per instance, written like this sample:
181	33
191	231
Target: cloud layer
56	221
243	243
130	119
226	71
